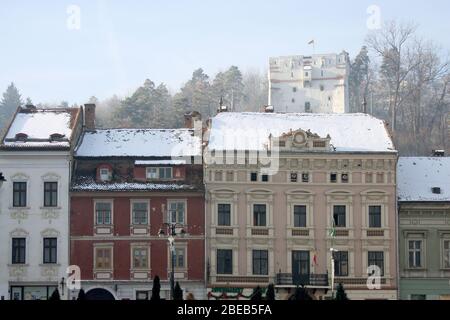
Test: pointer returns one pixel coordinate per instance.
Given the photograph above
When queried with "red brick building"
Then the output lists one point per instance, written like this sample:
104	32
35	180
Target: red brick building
127	184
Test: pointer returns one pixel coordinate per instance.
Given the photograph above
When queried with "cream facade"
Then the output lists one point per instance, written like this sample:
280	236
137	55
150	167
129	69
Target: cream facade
313	188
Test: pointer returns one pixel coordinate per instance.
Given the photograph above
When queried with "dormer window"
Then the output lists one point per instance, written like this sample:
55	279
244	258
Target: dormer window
105	174
56	137
436	190
159	173
21	137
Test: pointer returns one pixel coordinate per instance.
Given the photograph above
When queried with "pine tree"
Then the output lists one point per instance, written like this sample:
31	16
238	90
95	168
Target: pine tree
10	102
270	293
156	289
340	293
177	292
257	294
55	295
81	295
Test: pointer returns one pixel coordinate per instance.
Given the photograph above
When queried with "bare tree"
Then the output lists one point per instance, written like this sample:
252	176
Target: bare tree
391	45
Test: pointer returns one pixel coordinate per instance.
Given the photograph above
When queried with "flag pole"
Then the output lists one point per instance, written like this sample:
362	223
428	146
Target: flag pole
332	250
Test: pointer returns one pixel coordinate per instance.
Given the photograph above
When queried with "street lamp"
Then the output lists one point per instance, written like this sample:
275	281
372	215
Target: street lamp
62	284
172	232
332	271
2	179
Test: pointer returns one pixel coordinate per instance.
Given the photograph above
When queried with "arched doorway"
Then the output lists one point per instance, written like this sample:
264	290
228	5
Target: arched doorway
99	294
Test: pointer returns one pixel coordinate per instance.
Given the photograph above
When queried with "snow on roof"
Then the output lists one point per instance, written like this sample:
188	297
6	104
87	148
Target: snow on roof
350	132
416	176
89	184
157	162
36	127
139	143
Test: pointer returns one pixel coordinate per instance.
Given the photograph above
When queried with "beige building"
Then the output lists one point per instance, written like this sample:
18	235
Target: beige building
275	186
316	83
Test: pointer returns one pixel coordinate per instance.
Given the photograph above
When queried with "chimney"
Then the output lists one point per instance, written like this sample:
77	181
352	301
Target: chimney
222	107
438	153
30	107
191	118
268	109
89	116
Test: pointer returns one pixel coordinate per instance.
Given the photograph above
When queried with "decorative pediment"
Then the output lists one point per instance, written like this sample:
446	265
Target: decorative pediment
18	233
20	177
51	176
300	139
50	233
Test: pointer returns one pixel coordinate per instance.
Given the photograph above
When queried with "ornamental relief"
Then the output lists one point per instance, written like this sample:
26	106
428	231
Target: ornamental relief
19	233
49	271
19	214
51	176
20	176
50	214
17	271
50	233
340	197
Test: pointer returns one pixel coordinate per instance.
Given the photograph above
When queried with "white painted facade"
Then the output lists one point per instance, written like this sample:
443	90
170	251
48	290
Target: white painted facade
316	83
34	223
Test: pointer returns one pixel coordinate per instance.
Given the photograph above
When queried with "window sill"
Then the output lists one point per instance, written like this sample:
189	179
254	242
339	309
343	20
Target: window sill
19	208
50	208
49	265
18	265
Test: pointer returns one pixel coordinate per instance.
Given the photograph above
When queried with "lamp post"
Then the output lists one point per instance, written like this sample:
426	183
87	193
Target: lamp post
62	284
332	250
171	233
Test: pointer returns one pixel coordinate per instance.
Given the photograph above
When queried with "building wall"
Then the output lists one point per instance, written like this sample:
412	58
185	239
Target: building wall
429	223
84	240
33	222
321	80
318	195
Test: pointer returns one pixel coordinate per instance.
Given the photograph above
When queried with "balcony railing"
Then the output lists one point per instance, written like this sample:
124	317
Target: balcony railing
312	279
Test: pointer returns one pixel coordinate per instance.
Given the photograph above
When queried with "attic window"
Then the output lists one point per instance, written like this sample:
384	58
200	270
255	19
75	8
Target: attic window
56	137
436	190
105	174
21	137
319	144
282	143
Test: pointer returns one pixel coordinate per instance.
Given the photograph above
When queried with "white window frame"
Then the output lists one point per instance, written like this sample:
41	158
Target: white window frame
422	251
140	247
104	176
169	215
104	246
111	202
156	175
132	202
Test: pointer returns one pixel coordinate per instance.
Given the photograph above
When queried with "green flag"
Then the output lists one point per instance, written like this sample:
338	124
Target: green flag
333	229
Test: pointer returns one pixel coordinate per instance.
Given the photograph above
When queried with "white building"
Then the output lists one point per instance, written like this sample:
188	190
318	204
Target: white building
35	158
316	83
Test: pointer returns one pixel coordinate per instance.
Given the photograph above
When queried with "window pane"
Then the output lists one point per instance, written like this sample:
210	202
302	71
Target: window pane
224	261
339	216
259	215
375	216
224	214
140	213
300	216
